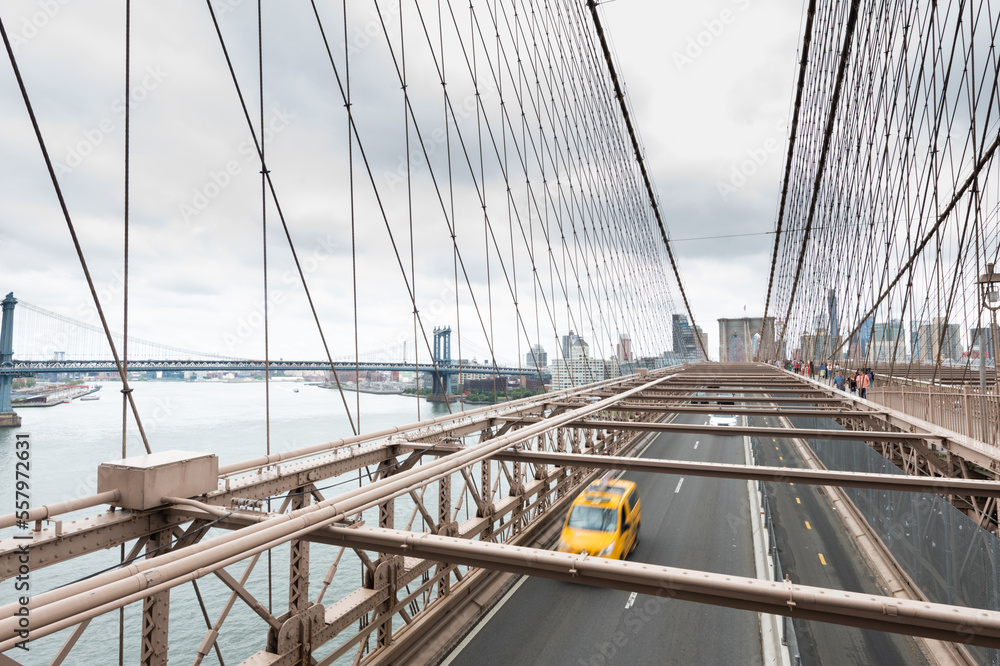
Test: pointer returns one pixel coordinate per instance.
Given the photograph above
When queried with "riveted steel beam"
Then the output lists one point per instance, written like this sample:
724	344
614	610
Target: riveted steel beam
918	618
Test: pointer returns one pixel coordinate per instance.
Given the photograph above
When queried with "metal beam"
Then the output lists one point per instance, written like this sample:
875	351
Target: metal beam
901	482
715	408
916	618
804	433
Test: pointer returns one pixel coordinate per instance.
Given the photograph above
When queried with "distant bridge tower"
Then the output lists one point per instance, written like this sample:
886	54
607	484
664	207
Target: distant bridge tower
7	415
442	356
740	339
442	345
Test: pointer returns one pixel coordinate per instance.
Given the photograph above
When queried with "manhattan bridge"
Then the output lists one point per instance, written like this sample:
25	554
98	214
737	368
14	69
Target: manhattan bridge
433	189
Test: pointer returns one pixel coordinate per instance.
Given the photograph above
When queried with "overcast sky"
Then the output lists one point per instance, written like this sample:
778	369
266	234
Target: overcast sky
709	83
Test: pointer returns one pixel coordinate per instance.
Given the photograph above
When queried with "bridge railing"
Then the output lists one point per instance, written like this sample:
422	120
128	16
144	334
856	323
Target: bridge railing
963	410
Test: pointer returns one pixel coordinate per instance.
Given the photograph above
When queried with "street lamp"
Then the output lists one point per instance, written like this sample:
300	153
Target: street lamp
990	297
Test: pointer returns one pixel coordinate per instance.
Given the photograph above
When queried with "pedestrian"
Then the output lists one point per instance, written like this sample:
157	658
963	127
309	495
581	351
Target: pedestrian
852	383
863	383
838	382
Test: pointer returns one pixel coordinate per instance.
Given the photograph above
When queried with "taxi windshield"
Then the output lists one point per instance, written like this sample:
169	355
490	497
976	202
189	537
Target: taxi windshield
593	518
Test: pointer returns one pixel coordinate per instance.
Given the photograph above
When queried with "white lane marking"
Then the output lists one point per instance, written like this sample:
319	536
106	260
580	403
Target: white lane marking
678	488
696	446
475	630
631	600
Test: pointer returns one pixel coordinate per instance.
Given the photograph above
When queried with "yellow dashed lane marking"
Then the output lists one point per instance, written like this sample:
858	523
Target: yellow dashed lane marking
798	501
822	559
808	526
781	457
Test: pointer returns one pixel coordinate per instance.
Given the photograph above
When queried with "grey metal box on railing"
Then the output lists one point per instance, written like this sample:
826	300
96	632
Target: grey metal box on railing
144	480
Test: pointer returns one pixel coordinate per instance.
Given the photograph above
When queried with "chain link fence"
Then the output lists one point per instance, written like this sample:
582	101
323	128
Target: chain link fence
950	558
788	638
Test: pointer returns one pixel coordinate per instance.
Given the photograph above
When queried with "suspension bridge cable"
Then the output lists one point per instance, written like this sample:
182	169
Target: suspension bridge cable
263	225
354	252
642	166
72	231
852	18
796	110
902	228
371	178
128	117
277	205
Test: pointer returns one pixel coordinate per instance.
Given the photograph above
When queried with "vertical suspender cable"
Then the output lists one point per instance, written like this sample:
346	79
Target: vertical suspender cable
409	212
263	220
128	63
354	253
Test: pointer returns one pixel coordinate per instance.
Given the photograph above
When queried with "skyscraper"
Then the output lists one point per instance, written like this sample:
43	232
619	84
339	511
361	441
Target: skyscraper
625	348
859	341
831	313
981	342
936	341
568	342
685	345
700	335
536	357
920	343
888	343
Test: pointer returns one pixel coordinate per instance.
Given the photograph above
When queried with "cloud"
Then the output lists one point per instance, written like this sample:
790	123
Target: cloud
196	242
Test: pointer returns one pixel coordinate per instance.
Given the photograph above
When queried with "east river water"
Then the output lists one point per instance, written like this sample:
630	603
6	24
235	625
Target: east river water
69	441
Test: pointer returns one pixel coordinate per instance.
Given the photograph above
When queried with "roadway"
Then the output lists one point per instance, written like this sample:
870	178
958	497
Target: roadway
694	523
815	549
688	522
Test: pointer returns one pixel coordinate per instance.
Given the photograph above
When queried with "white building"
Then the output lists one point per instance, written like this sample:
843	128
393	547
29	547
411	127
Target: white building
581	368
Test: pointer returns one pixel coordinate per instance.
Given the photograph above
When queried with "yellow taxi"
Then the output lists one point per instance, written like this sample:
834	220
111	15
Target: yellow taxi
603	520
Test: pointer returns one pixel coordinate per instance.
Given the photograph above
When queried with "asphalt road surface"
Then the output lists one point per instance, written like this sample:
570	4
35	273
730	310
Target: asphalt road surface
815	549
688	522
